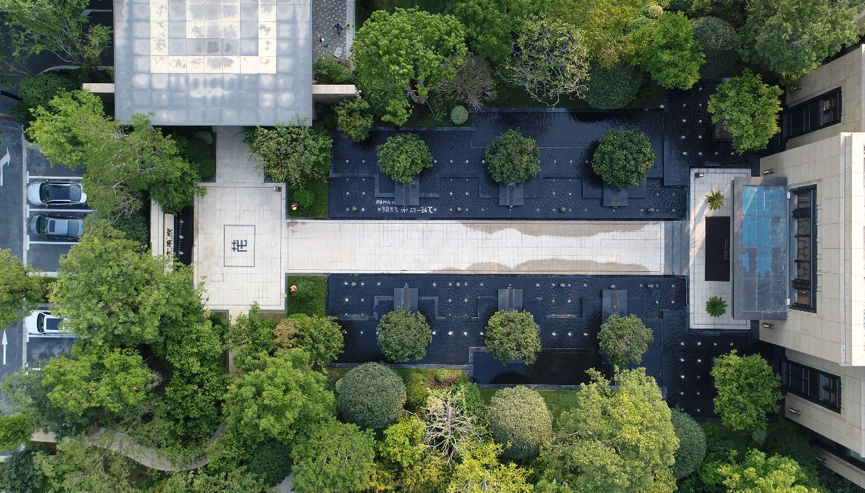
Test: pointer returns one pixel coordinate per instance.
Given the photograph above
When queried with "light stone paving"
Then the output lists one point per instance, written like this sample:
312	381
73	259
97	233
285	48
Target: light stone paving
699	289
488	247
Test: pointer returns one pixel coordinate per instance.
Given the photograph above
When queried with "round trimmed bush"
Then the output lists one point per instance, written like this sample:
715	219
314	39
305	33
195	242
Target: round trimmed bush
371	396
520	421
654	11
271	462
692	444
513	335
623	340
417	389
403	335
718	38
512	158
614	87
403	157
459	114
304	198
622	157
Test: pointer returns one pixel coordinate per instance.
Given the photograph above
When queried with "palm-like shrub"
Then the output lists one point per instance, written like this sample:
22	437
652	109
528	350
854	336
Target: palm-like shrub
716	306
403	157
520	421
371	396
513	335
715	200
622	157
623	340
404	336
512	158
692	444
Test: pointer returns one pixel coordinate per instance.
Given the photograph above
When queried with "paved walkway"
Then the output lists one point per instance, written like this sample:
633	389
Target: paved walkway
326	13
477	247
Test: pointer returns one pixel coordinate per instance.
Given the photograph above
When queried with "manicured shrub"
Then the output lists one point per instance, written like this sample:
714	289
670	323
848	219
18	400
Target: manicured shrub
520	421
417	389
354	118
403	157
614	87
718	38
623	157
716	306
442	375
304	198
328	70
513	335
459	115
371	396
512	158
692	444
654	11
404	336
271	462
623	340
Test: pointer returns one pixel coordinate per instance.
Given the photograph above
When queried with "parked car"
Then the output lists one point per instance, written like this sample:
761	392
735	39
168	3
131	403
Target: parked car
42	322
57	227
52	193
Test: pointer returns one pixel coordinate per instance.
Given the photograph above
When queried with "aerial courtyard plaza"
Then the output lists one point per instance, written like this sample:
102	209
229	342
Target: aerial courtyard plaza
440	244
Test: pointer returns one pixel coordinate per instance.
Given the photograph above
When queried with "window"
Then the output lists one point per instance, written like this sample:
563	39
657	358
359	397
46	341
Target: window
840	451
811	115
804	249
812	384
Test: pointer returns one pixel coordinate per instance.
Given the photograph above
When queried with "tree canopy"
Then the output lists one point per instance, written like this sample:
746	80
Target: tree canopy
336	457
792	37
370	395
489	24
623	340
353	118
604	23
512	158
404	53
513	335
748	109
279	400
718	39
548	60
19	290
623	157
294	153
404	336
692	444
320	337
667	51
520	421
613	440
776	474
747	390
480	471
402	157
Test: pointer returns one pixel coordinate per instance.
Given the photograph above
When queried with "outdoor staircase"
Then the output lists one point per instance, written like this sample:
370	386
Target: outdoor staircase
677	248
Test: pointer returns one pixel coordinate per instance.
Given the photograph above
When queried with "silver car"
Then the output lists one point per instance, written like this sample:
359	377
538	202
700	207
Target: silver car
57	227
51	193
42	322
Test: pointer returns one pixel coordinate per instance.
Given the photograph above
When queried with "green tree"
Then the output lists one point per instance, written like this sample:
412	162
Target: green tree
480	471
792	37
252	339
777	474
748	109
513	158
371	396
405	52
20	475
320	337
604	24
692	444
294	153
667	51
336	457
747	390
489	24
718	39
612	440
279	400
85	465
353	118
39	90
622	157
329	70
548	60
513	335
95	376
520	421
404	336
623	340
408	460
19	290
404	156
271	461
58	27
613	87
15	429
206	481
113	291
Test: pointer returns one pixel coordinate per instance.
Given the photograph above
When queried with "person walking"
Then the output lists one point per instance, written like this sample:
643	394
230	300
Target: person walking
338	27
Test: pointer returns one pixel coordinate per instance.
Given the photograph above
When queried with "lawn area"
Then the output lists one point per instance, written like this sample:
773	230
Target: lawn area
365	8
315	303
318	210
557	400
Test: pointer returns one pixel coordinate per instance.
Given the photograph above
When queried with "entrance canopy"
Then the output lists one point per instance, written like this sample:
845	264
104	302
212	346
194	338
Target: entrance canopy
760	250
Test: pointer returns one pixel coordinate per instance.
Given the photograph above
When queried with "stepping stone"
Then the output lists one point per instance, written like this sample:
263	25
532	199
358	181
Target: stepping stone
614	302
511	194
405	298
615	196
407	193
510	299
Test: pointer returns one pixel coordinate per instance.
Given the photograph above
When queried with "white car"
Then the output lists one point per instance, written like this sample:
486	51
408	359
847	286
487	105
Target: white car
50	193
43	323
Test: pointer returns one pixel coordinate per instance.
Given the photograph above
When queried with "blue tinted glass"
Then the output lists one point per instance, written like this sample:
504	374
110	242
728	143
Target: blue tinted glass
748	198
764	261
764	231
749	231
